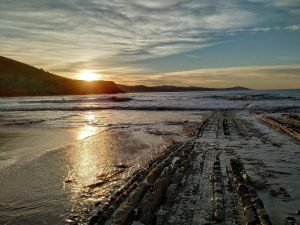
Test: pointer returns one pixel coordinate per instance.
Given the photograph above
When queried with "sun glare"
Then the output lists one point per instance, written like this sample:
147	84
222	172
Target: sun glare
88	76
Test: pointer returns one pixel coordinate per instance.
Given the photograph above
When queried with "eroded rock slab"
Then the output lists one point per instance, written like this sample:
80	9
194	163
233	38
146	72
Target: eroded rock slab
230	172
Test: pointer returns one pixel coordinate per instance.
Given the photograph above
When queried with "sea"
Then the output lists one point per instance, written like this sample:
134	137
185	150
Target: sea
174	101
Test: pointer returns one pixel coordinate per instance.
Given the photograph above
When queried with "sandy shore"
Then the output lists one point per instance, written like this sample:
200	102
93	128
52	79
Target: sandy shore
224	168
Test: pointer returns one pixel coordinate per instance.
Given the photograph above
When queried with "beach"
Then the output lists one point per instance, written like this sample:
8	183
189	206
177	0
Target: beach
156	158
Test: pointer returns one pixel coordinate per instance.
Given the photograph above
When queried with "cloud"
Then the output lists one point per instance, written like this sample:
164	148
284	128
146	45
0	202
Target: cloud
121	31
261	77
261	29
289	58
293	27
112	35
292	6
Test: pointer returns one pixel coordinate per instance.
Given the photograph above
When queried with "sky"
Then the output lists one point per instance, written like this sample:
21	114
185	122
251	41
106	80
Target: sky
209	43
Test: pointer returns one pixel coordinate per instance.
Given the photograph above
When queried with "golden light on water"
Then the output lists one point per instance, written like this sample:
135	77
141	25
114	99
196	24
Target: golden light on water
90	117
86	131
92	174
88	75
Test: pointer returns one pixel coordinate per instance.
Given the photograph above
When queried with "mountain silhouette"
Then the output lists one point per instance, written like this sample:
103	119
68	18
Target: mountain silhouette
19	79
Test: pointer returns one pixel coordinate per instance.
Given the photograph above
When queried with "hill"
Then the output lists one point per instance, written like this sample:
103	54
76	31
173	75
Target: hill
19	79
165	88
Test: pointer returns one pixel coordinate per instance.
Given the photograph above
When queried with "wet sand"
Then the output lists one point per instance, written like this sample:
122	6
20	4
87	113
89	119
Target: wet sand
21	144
224	168
62	172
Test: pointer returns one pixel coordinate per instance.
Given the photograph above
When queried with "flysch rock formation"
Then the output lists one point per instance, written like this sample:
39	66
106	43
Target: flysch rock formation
222	176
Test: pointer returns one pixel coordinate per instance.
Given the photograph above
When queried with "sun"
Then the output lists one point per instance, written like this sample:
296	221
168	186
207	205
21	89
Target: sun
88	76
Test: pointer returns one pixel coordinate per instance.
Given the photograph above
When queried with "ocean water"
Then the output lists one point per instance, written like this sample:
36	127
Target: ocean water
213	100
53	149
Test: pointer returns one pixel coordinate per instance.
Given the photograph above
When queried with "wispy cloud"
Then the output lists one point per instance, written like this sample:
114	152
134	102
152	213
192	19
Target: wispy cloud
110	35
292	6
261	77
293	27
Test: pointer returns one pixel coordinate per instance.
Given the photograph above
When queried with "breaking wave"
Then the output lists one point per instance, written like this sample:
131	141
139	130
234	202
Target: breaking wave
253	97
79	100
251	107
183	101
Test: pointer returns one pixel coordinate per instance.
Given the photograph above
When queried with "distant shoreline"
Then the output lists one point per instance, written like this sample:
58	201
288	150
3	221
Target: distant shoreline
166	91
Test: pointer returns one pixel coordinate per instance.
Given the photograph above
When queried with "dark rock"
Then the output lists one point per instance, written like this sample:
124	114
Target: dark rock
138	214
153	175
246	201
219	215
250	216
273	193
121	166
93	220
138	192
171	193
258	201
242	189
160	187
290	221
259	185
265	219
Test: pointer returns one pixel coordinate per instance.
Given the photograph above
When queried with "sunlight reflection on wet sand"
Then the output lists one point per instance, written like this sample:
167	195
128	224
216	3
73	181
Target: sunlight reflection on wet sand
94	164
111	146
85	161
87	130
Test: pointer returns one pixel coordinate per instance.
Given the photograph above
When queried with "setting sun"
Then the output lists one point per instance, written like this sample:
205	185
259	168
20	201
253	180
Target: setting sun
88	76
